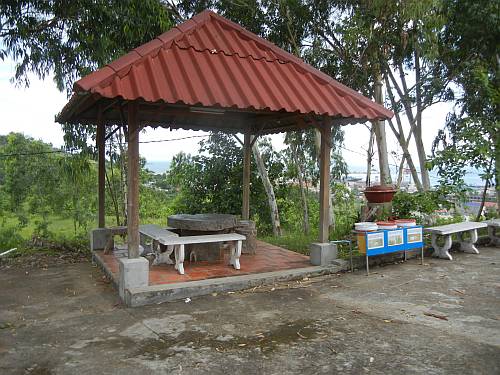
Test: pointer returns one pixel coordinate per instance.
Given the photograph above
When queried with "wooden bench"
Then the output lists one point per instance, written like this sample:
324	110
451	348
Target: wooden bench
234	239
159	246
493	225
447	231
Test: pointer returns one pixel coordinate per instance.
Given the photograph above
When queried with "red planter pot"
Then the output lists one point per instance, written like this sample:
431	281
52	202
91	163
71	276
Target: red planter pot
379	193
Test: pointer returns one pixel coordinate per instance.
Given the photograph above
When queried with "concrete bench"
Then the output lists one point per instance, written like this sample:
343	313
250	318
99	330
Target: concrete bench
447	231
159	246
179	242
493	225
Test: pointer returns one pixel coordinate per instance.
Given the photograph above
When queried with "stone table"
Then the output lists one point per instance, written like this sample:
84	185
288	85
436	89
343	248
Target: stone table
199	224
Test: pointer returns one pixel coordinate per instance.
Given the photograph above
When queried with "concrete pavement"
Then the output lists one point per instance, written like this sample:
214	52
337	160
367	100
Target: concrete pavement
440	318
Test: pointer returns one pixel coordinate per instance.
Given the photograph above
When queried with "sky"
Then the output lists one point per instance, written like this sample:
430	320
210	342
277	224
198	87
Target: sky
32	110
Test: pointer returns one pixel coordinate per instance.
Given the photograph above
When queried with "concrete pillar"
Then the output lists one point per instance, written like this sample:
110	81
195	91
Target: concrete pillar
134	273
322	254
133	182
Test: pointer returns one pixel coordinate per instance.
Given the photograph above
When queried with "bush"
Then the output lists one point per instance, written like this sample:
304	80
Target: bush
419	205
9	237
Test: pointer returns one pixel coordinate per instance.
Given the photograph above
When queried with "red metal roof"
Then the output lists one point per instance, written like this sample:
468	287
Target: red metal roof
211	61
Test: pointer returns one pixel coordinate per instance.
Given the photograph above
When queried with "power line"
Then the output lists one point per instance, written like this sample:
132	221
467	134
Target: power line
37	153
356	152
72	150
175	139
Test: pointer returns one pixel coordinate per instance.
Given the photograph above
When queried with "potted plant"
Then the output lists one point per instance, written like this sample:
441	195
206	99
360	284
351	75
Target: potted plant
380	193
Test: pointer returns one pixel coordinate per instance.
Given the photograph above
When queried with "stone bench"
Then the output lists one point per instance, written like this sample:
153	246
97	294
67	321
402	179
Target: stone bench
493	225
103	238
158	246
179	242
460	229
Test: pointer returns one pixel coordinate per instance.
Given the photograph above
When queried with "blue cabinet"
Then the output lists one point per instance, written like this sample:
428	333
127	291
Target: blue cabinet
390	241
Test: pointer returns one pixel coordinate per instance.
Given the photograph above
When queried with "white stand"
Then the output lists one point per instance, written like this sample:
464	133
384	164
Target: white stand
235	253
179	258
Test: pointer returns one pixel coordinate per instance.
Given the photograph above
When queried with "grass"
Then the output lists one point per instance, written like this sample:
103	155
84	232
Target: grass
63	230
60	226
298	242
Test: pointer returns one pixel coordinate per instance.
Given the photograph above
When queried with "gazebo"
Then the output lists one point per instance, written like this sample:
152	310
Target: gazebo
211	74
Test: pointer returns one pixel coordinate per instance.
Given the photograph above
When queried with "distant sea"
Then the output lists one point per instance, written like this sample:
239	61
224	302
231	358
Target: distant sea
471	178
158	166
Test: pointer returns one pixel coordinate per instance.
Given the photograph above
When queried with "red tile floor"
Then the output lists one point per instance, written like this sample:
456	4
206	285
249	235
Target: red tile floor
267	258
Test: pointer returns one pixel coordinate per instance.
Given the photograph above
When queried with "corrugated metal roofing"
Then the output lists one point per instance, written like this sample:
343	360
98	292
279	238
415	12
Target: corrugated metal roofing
211	61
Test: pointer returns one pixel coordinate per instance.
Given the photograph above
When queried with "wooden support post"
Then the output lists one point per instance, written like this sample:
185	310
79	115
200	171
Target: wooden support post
133	182
247	154
324	186
101	179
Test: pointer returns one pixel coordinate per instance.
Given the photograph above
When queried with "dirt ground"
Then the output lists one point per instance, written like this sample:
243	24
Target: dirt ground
440	318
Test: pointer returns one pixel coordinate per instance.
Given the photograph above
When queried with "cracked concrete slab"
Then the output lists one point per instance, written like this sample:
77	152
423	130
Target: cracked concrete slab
440	318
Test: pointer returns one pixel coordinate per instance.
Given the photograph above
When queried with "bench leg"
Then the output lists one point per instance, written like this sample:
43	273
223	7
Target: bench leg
468	245
441	251
166	254
179	259
235	254
110	245
494	239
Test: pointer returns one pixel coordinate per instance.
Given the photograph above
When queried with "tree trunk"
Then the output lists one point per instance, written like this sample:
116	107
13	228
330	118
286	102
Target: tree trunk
112	191
369	156
483	196
400	172
422	157
400	135
275	217
305	205
331	212
379	126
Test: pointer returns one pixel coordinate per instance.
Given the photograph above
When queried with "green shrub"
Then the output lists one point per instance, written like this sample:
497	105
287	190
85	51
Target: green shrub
9	237
420	204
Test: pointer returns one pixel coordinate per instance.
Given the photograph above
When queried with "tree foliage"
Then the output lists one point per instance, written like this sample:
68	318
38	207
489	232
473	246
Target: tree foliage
470	50
211	180
72	38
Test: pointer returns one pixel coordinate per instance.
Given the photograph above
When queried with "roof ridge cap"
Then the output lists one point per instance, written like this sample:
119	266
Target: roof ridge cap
227	53
256	38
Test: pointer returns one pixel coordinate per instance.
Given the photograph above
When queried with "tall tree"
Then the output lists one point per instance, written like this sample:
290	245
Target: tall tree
359	40
69	39
469	46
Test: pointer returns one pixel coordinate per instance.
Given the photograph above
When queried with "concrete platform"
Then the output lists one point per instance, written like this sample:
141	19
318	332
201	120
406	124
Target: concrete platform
269	264
66	320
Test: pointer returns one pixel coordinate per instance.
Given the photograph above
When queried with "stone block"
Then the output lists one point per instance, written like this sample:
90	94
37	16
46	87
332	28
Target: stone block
134	273
98	238
323	254
102	237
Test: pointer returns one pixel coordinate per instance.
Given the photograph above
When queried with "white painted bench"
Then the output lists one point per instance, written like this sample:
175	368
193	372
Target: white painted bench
493	225
158	236
447	231
179	242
